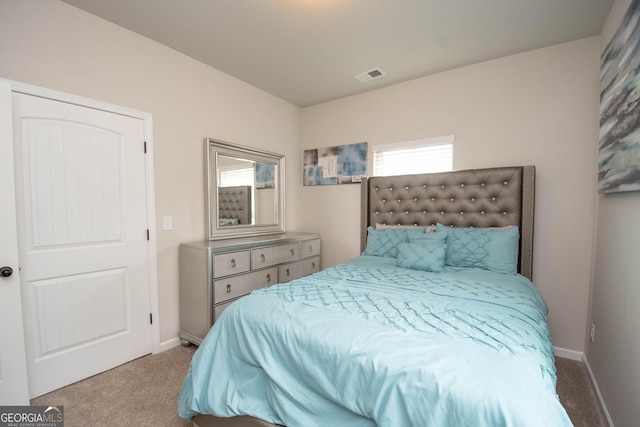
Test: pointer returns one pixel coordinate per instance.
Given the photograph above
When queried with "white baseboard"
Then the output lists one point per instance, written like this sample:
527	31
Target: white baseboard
169	344
568	354
597	389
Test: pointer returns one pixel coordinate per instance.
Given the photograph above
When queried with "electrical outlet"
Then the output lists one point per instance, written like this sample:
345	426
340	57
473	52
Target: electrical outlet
593	332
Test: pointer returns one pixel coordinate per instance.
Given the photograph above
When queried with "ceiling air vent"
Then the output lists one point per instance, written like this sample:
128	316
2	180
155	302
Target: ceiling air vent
367	76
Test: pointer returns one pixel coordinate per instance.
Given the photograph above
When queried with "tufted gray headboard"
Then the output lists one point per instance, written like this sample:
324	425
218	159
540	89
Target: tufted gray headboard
493	197
235	203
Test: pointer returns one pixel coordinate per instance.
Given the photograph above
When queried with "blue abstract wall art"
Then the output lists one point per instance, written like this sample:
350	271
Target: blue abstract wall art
342	164
265	175
619	149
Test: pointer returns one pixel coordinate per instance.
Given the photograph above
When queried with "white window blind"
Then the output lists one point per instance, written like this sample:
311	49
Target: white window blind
418	156
231	176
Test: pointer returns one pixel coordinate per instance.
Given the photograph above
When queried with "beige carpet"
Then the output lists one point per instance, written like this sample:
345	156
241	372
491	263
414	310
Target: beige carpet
577	394
144	392
140	393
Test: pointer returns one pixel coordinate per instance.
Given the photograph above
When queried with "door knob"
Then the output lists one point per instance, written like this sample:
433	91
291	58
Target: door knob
6	271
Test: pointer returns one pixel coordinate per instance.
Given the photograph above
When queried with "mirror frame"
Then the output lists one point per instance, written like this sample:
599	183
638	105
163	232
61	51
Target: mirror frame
214	148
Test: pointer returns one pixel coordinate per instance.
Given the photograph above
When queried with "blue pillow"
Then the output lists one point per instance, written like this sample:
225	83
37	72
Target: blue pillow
384	242
487	248
423	254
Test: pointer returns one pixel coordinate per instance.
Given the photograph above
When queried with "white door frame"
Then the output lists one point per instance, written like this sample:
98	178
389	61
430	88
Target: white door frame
17	87
14	389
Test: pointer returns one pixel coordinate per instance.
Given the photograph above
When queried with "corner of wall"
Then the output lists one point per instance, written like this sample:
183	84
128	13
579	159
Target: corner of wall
578	356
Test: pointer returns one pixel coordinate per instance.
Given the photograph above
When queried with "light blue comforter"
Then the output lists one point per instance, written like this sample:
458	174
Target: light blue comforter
367	344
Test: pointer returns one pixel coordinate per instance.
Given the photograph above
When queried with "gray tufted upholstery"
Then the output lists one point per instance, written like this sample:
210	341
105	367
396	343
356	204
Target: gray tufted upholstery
492	197
235	202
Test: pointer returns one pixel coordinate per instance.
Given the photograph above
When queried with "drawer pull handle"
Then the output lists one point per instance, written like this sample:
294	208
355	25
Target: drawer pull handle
313	265
293	252
228	288
233	262
310	248
262	258
268	277
288	272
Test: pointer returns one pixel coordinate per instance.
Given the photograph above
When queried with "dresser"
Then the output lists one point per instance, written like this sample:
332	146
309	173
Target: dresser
215	273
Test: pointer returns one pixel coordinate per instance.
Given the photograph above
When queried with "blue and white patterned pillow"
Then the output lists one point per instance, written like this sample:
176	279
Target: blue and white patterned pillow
487	248
423	254
385	242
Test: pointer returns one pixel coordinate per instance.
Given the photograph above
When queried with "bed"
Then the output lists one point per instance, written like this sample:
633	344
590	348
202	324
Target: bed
234	205
436	324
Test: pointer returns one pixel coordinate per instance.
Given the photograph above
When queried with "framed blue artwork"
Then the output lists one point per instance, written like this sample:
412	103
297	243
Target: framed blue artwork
341	164
265	175
619	148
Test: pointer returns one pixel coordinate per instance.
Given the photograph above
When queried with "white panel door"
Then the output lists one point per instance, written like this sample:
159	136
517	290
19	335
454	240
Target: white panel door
80	186
13	368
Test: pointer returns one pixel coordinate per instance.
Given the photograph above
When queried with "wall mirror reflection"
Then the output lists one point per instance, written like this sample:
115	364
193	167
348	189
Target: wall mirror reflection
245	193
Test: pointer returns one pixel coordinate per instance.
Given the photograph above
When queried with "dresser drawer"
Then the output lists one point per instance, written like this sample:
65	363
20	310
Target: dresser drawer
310	265
266	257
218	309
288	272
233	287
231	263
310	248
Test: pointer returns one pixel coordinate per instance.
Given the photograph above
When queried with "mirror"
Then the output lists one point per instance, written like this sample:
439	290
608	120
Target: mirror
244	191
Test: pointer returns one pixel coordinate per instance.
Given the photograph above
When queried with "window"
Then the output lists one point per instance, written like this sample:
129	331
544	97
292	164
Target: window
417	156
231	175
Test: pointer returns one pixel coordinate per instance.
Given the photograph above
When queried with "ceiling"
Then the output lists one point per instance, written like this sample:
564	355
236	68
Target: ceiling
307	51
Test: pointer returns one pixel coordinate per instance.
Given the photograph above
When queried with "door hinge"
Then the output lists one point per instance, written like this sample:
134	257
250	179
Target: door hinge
145	147
151	318
148	236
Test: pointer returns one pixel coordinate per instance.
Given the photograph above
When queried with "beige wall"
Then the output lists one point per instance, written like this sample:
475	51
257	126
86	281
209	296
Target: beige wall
614	356
56	46
539	107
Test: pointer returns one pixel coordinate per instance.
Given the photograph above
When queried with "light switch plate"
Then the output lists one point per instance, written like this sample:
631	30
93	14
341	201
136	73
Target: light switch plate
167	223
